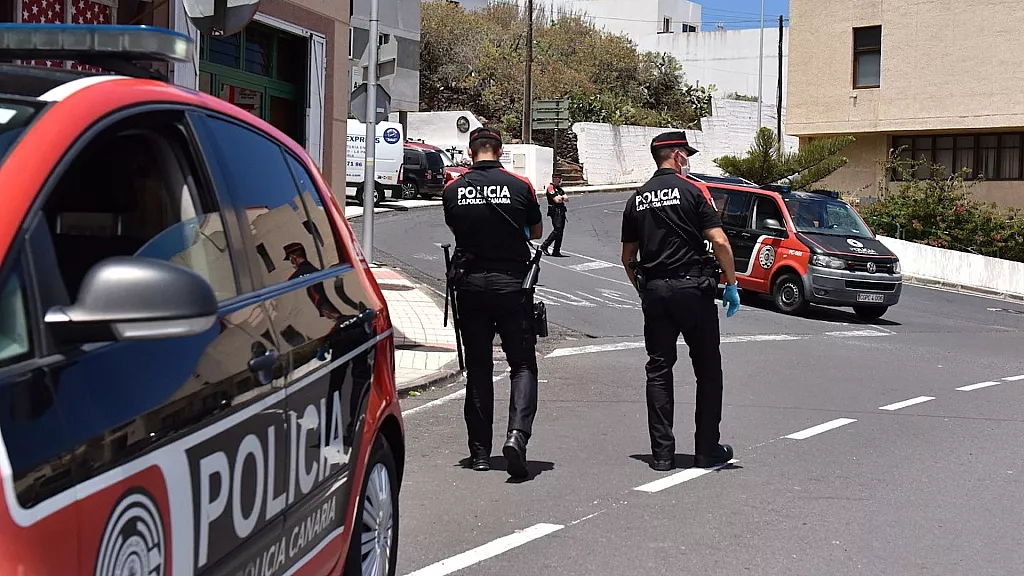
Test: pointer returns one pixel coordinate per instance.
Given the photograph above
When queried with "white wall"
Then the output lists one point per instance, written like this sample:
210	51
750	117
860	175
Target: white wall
621	154
728	58
958	268
529	160
440	128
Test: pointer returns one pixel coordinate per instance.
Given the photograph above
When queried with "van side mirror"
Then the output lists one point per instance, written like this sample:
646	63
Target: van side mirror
773	224
134	298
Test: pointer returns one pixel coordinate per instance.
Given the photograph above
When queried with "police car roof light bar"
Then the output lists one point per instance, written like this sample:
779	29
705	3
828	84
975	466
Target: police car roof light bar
114	47
780	188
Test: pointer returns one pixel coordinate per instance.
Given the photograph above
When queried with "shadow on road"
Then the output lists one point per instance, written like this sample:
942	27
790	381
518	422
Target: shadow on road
534	468
681	461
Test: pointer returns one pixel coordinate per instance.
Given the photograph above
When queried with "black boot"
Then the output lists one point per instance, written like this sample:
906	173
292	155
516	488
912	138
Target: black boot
716	458
515	454
480	463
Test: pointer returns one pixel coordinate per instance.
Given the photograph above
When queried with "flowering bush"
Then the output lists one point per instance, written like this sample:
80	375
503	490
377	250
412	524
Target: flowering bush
941	211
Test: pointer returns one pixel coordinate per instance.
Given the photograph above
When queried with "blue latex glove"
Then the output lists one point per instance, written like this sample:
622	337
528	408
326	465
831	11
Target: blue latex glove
731	300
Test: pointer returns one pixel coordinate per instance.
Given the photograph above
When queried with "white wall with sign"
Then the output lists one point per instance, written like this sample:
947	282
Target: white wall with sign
531	161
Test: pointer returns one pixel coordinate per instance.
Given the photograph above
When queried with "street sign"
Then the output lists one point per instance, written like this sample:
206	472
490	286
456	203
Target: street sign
551	104
550	115
357	103
551	124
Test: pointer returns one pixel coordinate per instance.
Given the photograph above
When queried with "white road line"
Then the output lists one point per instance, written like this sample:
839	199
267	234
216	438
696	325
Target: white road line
759	338
857	333
1014	378
595	348
550	263
815	430
679	478
444	399
905	403
592	265
489	550
977	386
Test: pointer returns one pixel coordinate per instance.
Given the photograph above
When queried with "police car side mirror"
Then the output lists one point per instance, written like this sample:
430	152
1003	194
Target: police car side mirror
133	298
773	225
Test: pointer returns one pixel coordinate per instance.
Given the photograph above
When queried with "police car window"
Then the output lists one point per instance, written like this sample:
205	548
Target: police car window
824	216
14	337
732	207
319	223
766	209
262	185
14	117
132	191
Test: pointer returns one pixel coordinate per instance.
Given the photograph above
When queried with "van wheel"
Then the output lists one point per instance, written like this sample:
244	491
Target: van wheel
410	191
870	312
788	293
376	196
373	545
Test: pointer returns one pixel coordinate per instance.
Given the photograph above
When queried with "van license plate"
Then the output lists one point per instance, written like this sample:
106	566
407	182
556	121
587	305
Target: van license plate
870	298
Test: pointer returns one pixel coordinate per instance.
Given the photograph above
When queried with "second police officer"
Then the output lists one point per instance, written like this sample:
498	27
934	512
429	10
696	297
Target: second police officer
667	221
492	212
556	210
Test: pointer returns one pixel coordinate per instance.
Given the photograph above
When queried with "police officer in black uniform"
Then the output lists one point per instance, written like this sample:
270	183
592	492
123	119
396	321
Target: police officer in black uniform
556	210
667	221
492	213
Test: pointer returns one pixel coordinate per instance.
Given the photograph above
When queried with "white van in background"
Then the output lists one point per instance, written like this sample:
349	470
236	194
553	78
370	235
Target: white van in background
388	154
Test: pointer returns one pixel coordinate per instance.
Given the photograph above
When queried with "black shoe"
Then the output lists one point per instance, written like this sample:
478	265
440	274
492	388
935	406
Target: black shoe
720	456
559	255
480	463
663	464
544	249
515	454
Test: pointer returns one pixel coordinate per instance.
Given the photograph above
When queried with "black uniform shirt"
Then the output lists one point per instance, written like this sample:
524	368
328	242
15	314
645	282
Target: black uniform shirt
494	243
668	216
553	192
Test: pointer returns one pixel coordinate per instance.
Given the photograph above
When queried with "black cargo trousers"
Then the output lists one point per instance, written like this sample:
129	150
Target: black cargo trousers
481	314
672	307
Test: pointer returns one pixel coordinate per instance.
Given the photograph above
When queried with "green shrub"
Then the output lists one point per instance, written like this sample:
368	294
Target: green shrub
940	211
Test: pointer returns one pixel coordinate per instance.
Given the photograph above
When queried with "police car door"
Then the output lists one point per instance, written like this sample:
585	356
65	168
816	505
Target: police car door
768	241
320	315
734	210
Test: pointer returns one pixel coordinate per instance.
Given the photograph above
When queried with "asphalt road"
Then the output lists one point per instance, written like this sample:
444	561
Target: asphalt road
885	448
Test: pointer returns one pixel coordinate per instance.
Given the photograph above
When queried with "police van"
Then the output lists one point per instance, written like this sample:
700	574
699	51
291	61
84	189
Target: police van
803	248
196	363
388	154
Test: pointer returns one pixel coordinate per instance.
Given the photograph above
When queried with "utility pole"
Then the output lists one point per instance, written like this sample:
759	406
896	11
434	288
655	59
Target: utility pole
528	91
778	100
369	167
760	71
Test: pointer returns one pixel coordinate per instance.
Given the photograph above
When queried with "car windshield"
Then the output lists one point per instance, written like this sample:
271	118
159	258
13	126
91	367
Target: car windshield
15	116
826	216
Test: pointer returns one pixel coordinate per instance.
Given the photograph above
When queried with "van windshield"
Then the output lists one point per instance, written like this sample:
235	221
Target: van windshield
826	216
15	116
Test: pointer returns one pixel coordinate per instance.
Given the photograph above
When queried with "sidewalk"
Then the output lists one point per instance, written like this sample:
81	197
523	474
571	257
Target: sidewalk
425	352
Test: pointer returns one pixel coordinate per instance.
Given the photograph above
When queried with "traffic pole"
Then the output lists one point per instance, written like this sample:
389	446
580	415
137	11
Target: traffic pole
369	167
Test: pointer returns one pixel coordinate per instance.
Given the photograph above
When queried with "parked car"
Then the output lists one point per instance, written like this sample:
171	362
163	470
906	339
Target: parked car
427	170
804	247
196	364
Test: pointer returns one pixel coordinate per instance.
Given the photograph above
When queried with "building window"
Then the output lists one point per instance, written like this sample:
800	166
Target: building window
991	156
867	57
689	28
383	39
666	25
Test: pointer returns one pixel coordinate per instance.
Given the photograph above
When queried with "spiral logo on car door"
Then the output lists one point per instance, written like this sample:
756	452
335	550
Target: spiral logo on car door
767	257
133	541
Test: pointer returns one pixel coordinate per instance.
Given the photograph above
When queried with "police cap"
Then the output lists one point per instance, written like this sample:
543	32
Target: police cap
675	139
294	249
485	133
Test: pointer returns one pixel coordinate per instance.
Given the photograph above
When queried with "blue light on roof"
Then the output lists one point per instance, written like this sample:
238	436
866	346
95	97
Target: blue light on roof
84	41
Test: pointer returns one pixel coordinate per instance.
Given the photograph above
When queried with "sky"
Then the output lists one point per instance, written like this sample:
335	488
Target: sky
735	14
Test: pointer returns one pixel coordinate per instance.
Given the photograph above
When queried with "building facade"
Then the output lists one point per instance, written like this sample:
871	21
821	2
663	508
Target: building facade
941	78
288	66
634	19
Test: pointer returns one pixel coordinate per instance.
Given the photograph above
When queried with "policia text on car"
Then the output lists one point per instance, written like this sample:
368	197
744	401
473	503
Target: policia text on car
667	221
492	212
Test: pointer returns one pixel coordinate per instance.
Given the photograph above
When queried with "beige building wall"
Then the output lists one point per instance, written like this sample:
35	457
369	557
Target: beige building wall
947	67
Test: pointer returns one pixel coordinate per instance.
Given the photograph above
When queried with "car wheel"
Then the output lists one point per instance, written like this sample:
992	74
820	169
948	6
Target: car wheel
870	312
373	546
410	190
788	293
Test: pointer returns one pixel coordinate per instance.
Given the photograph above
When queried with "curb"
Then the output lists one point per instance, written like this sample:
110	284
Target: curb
443	376
962	288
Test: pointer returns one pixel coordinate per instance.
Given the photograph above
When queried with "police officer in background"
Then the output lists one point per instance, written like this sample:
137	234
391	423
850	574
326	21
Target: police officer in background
492	212
666	221
556	210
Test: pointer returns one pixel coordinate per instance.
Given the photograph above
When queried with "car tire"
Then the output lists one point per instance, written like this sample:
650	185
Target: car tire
410	191
788	294
378	502
870	312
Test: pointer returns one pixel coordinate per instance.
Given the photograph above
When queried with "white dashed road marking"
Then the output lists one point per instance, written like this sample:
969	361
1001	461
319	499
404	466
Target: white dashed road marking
857	333
679	478
489	550
594	265
444	399
724	340
815	430
905	403
970	387
1014	378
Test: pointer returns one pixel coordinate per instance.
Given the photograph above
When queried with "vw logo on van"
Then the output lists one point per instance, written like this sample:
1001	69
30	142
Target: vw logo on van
854	243
872	267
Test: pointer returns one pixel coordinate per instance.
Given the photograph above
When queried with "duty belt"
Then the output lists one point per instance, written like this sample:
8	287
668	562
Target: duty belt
695	272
